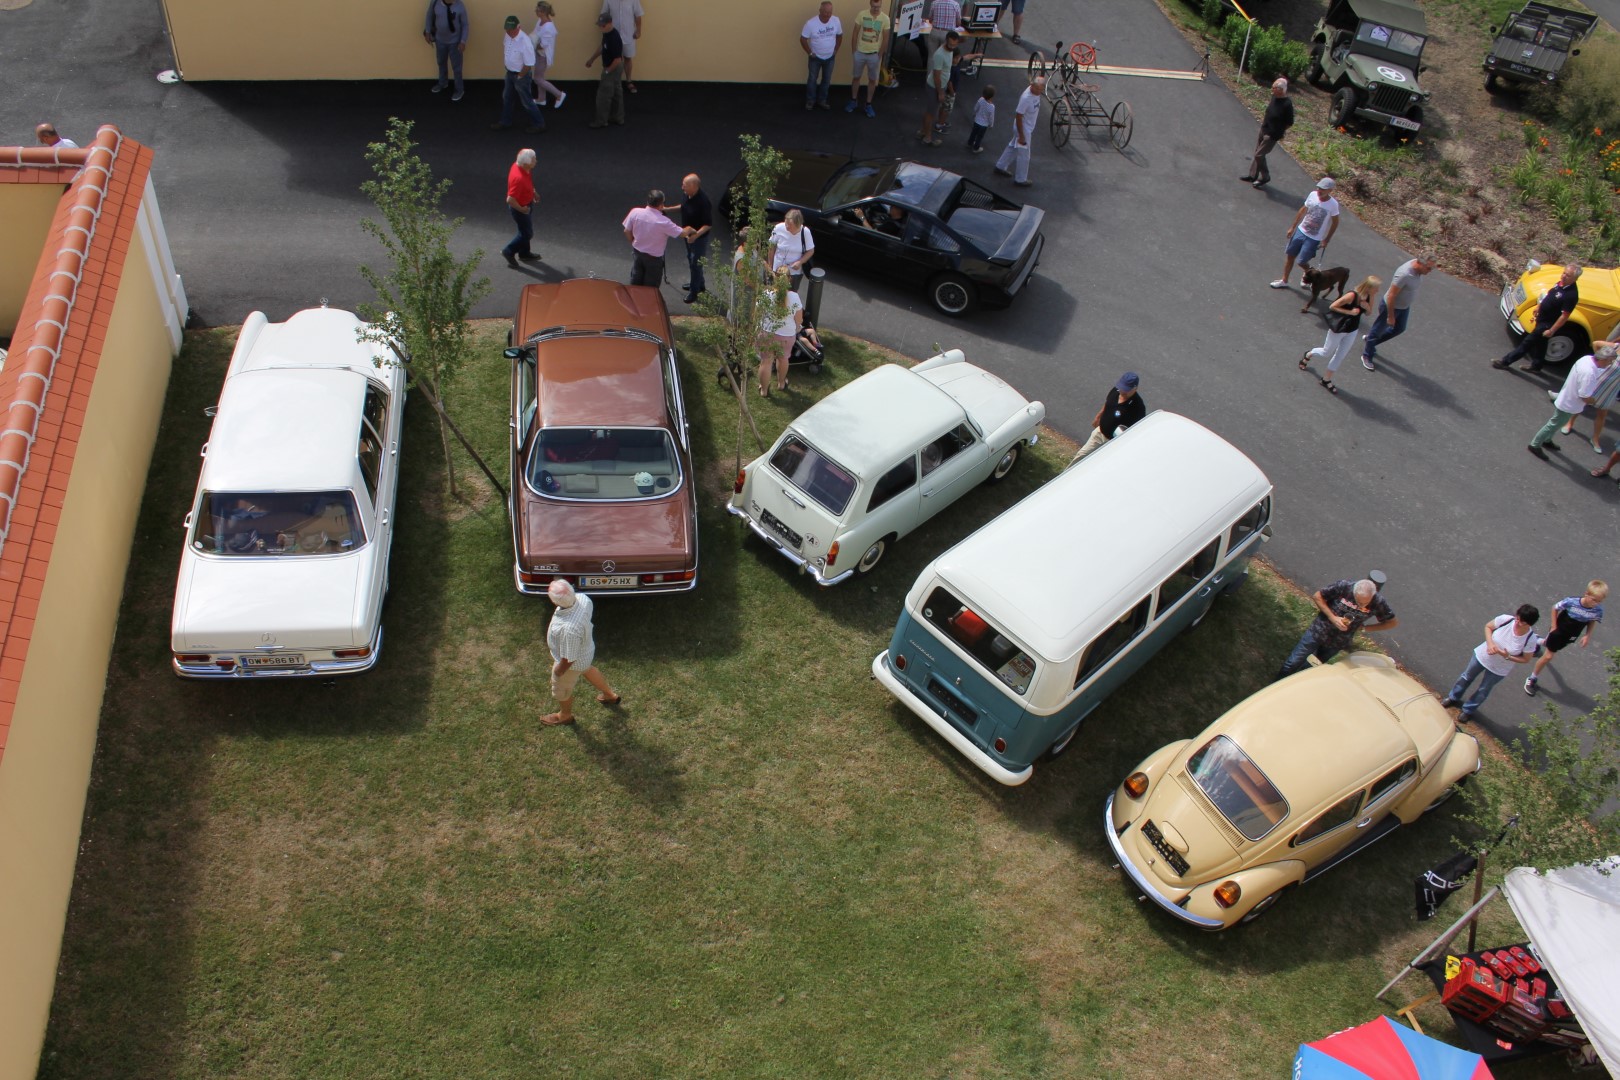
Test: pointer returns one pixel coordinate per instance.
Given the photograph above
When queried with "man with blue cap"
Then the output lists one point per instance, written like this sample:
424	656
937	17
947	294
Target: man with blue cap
1121	408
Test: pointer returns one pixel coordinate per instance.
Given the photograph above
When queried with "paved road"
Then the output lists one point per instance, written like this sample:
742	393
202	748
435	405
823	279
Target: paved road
1156	260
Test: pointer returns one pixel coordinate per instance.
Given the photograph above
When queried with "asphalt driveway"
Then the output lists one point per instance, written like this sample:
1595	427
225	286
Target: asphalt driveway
1156	260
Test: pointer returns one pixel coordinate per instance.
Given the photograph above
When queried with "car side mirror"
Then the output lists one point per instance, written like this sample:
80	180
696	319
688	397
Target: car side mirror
211	411
1494	31
1574	52
1421	70
515	353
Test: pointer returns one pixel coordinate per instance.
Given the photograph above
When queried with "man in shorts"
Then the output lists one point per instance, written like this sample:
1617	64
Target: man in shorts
572	644
1573	617
868	47
1018	21
1313	227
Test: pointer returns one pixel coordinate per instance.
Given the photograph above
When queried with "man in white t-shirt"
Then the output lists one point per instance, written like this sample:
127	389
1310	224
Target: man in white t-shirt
1576	394
1014	160
1313	227
820	40
627	20
1509	640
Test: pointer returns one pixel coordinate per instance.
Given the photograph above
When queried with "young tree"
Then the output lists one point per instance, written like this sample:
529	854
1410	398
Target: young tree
1565	793
424	294
739	306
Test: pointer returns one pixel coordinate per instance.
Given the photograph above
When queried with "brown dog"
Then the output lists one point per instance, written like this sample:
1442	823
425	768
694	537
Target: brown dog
1320	281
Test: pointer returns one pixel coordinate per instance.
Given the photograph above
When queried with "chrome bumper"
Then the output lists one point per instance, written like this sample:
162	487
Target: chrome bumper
1510	310
947	731
649	590
1142	883
316	669
805	565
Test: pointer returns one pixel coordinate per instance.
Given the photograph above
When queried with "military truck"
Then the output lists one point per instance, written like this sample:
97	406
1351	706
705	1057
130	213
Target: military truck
1369	53
1532	46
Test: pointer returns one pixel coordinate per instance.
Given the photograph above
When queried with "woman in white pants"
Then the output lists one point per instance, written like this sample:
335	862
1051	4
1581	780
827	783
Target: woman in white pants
545	54
1344	320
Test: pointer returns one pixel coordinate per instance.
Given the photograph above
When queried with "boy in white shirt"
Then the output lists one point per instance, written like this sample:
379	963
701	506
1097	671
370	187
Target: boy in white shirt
984	117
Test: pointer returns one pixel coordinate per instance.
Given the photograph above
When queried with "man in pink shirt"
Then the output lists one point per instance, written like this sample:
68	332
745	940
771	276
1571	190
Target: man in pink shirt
649	229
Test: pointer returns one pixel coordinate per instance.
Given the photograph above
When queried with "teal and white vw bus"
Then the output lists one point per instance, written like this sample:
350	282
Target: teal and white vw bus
1012	636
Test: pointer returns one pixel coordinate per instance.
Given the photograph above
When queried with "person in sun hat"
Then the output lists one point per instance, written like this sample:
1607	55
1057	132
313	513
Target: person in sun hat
572	642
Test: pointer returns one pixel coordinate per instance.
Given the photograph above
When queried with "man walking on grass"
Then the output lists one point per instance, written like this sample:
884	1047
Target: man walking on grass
571	640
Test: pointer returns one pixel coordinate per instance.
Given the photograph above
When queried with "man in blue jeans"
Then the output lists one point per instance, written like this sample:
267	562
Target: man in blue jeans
1509	640
1343	608
517	53
820	39
697	214
1395	307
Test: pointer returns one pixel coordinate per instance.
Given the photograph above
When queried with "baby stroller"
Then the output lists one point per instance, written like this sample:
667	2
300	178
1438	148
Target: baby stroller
808	352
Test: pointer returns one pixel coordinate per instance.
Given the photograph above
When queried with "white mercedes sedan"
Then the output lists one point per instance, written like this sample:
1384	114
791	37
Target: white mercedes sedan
285	562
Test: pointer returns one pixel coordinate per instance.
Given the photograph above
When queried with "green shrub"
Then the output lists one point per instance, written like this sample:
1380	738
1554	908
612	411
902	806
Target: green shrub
1526	176
1590	101
1213	13
1270	52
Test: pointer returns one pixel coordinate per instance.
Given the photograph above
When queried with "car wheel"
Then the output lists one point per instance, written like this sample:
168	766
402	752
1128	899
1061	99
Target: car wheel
1343	109
1054	751
1005	465
1445	796
1490	83
952	294
1566	345
874	555
1263	906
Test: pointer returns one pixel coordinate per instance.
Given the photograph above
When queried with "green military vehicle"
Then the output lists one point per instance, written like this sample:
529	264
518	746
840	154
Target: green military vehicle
1530	49
1369	53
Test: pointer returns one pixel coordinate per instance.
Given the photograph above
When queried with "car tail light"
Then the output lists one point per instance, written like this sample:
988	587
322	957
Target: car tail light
530	578
737	484
832	553
225	663
1001	746
192	658
665	579
1136	785
900	662
352	654
1228	893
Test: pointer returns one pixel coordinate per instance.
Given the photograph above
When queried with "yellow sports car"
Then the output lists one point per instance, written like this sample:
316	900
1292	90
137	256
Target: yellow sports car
1595	317
1289	783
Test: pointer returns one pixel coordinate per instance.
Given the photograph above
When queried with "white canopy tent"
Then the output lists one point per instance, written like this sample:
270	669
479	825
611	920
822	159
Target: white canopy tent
1572	917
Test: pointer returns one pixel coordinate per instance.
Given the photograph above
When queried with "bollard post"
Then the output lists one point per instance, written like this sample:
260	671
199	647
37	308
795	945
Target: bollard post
812	295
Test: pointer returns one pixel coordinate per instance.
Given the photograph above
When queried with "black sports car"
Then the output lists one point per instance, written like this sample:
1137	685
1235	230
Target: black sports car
964	243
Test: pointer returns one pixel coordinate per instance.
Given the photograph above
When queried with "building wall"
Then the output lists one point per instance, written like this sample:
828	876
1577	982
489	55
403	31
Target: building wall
715	41
53	727
26	210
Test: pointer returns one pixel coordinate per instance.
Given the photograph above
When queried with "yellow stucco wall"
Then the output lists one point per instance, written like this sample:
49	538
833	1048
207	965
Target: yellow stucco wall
46	770
682	40
26	210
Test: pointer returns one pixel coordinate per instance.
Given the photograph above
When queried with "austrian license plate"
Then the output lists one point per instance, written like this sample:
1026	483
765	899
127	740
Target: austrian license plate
619	581
1403	122
275	660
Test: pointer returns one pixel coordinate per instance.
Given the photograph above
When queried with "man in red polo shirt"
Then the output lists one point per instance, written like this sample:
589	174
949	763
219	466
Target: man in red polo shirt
520	201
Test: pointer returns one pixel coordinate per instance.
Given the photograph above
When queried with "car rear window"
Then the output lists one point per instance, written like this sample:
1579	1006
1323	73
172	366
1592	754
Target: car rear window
992	649
603	464
1237	787
813	473
277	523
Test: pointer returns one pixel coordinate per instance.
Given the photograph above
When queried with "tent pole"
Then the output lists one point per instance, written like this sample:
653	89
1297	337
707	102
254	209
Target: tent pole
1442	942
1479	884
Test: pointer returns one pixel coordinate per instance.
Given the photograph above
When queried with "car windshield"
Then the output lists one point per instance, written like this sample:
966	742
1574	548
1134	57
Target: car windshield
864	179
277	523
1237	787
1386	37
813	473
982	641
603	464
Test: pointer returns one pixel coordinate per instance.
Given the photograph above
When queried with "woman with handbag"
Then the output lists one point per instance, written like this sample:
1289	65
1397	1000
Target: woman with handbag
792	247
1344	320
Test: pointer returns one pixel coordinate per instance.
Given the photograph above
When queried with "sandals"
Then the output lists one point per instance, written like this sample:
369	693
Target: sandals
556	718
1304	361
1327	384
610	702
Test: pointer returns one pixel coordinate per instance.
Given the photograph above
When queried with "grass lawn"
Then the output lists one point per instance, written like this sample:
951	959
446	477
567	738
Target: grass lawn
761	865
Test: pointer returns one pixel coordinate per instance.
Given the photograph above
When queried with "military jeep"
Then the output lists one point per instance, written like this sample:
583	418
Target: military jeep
1531	47
1368	53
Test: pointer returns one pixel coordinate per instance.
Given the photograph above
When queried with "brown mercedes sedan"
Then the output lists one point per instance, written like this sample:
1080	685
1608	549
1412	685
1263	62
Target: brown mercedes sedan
602	489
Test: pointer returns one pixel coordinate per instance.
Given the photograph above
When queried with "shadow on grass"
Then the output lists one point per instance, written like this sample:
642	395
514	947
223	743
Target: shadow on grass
644	770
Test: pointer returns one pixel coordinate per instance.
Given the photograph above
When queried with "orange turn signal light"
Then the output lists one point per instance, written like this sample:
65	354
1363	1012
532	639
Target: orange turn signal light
1136	784
1228	893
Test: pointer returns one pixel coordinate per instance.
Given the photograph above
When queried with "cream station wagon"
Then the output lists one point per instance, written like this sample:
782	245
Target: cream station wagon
876	458
285	561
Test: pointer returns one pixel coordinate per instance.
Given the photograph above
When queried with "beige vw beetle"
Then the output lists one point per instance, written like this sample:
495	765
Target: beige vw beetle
1290	782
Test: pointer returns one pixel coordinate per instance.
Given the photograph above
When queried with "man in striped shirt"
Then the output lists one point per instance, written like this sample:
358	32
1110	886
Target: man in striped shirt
572	644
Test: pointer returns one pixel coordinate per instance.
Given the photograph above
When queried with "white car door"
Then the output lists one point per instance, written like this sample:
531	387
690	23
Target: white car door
951	464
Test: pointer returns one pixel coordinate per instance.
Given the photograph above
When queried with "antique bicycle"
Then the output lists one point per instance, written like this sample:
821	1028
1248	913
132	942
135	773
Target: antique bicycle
1074	101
